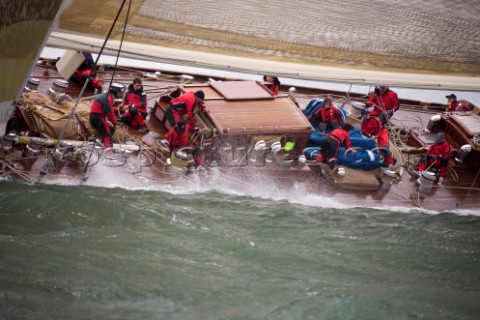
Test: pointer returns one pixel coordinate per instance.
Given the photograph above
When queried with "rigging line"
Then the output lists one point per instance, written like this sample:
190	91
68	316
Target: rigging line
85	168
44	169
121	41
91	70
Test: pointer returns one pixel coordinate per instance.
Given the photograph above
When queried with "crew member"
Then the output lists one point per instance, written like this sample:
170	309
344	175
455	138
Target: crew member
329	116
136	97
385	103
134	119
179	137
437	156
454	105
372	128
332	142
87	70
102	117
272	83
185	104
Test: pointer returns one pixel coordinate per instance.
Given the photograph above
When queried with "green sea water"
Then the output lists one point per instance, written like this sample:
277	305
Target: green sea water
70	252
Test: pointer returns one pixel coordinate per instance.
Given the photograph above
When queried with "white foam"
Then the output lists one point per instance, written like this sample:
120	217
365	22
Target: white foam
251	186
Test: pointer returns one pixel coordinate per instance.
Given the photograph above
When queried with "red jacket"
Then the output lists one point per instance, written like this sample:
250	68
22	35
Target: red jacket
103	105
137	120
329	115
82	76
371	126
386	101
185	104
454	107
442	150
273	88
136	97
178	140
340	136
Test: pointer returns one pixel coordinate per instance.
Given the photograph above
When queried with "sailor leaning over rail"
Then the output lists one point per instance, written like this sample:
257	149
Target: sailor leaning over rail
102	117
272	83
372	127
185	104
178	138
455	105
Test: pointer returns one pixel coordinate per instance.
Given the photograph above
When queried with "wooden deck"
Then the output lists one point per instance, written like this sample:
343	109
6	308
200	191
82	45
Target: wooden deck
148	168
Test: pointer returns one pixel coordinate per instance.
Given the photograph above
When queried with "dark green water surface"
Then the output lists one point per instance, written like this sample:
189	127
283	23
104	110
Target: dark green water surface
70	252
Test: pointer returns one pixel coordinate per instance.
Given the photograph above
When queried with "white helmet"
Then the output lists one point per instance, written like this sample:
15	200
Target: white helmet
341	172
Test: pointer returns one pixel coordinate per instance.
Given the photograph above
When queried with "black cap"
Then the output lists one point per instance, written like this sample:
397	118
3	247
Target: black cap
454	97
200	94
181	126
365	111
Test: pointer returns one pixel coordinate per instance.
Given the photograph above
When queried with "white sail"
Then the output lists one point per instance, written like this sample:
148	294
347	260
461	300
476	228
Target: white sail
406	37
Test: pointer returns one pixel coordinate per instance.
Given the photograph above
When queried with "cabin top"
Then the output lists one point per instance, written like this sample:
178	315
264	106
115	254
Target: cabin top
248	107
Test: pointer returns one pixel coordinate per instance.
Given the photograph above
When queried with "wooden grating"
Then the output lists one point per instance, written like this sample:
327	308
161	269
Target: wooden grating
274	116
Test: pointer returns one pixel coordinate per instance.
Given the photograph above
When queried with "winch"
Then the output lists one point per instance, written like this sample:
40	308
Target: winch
463	153
388	178
32	85
425	181
58	89
33	147
9	141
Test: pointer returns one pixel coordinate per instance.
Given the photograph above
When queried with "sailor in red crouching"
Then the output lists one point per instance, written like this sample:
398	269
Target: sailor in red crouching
87	70
330	117
178	137
372	128
385	102
133	119
437	156
332	142
101	110
135	97
185	104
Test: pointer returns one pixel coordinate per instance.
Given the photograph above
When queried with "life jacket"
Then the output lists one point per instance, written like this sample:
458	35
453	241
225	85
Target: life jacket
329	115
341	136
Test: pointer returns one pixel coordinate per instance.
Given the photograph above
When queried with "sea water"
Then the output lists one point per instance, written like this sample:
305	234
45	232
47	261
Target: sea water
79	252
